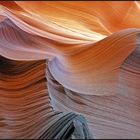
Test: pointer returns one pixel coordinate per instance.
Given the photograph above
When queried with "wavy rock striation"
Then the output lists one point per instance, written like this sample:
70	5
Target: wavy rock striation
93	68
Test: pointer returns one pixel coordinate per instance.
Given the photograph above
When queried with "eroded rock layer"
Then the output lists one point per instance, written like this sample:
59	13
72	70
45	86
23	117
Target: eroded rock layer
25	110
84	56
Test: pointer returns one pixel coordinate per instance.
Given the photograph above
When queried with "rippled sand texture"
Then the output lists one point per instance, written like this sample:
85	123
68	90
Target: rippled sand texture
93	64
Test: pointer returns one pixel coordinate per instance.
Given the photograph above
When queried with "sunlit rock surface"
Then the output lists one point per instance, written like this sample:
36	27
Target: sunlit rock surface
69	69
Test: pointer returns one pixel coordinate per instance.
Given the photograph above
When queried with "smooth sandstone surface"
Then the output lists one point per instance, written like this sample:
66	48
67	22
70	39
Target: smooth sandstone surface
81	57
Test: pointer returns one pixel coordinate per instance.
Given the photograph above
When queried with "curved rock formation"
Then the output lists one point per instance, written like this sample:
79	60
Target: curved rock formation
93	66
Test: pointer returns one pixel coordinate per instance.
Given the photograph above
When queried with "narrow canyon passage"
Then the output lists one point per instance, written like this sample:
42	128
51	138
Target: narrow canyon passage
69	70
